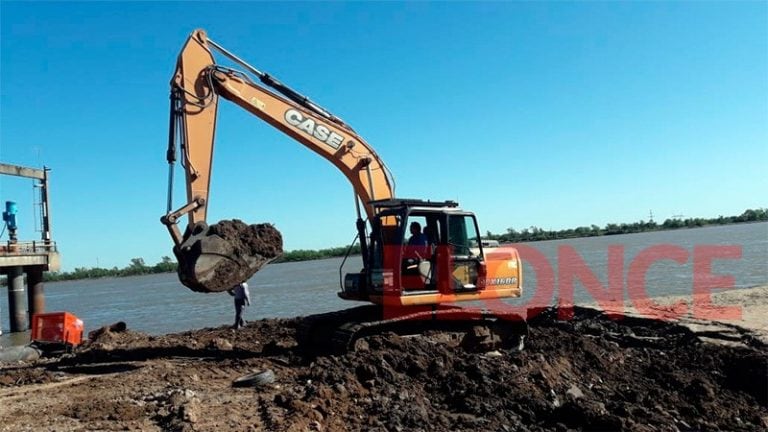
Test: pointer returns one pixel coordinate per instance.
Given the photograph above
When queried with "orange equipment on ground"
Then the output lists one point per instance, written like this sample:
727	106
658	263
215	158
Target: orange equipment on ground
57	328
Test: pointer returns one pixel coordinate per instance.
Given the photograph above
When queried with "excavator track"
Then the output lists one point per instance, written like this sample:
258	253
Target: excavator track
338	332
316	332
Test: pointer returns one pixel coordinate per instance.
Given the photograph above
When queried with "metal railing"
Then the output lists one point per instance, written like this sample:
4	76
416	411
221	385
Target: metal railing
27	248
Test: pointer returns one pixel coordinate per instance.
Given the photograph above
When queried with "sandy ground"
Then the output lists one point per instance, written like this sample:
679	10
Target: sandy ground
592	372
724	313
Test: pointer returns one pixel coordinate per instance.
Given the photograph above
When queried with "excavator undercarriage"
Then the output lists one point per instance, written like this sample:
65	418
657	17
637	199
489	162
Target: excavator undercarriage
472	329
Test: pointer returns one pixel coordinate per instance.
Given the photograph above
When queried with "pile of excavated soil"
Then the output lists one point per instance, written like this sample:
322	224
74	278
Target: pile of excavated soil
589	373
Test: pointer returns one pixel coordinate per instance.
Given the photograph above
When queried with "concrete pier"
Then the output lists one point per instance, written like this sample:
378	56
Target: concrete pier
35	291
31	260
16	296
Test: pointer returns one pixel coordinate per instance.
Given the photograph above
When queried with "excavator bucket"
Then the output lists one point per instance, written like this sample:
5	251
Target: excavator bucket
217	257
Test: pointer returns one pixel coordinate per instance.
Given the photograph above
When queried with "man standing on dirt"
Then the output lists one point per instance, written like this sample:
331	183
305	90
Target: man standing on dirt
242	299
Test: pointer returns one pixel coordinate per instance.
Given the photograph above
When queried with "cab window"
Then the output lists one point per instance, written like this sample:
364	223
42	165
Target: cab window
462	234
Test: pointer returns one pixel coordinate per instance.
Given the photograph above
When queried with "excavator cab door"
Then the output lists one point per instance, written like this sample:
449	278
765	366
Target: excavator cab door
450	261
421	237
465	252
447	258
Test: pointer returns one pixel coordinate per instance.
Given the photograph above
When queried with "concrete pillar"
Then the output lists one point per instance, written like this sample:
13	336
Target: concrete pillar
16	310
35	291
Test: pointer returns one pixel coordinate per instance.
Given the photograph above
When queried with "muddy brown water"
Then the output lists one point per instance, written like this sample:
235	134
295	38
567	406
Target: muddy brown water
159	304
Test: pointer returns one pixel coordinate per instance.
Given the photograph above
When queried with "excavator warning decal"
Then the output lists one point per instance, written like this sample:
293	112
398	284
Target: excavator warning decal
312	128
259	104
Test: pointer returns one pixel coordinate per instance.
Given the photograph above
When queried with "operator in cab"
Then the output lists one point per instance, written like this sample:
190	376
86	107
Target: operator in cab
418	238
418	243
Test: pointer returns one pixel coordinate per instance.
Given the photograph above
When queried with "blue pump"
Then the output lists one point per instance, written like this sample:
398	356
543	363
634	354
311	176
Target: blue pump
9	215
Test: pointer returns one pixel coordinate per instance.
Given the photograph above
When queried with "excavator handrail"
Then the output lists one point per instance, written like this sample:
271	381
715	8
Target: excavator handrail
344	261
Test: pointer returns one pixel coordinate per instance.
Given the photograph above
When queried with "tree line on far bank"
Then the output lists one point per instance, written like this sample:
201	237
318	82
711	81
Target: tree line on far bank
307	254
135	268
537	234
167	264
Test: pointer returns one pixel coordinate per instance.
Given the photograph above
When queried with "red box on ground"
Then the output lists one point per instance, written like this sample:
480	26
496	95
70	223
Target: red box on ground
57	327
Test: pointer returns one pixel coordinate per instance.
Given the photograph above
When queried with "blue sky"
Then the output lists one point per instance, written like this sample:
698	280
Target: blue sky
548	114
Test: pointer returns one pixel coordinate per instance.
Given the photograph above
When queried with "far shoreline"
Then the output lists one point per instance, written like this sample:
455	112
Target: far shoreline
300	255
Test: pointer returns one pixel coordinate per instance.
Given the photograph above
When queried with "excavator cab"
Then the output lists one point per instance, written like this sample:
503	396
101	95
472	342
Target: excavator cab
448	267
414	283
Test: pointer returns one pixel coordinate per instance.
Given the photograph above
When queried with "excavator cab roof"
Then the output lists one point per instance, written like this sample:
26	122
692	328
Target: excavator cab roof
393	203
407	206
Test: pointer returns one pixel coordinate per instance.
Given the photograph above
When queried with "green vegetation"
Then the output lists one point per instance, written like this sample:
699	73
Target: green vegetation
167	264
537	234
307	255
136	267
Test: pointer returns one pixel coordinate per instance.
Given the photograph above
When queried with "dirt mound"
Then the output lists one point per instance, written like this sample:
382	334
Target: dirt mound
19	376
106	332
589	373
215	258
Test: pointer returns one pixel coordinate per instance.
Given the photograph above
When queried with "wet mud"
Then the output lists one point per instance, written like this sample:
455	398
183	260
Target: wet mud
593	372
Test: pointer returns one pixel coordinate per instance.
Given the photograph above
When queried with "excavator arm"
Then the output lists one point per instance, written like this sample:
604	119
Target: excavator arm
196	86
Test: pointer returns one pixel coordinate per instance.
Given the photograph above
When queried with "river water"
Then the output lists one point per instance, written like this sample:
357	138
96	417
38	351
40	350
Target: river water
159	304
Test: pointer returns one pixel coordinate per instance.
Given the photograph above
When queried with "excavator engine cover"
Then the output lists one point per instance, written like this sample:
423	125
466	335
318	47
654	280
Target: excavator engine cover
217	257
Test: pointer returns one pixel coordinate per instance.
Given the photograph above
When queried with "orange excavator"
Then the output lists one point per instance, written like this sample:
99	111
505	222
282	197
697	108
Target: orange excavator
419	257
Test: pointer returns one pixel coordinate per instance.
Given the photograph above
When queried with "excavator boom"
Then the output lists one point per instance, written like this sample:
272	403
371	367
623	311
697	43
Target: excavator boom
198	82
195	88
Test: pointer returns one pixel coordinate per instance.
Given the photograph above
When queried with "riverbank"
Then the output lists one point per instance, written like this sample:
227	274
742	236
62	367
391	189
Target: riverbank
725	315
592	372
538	234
